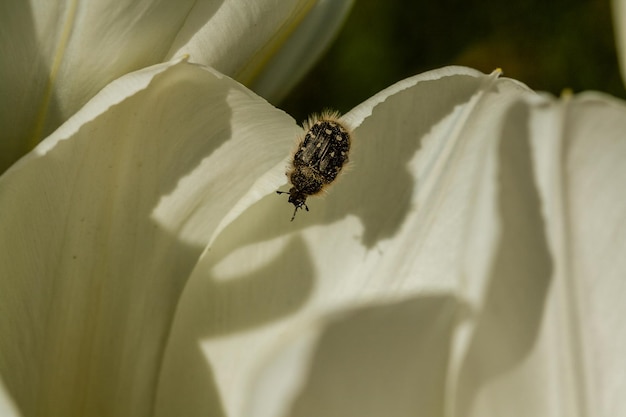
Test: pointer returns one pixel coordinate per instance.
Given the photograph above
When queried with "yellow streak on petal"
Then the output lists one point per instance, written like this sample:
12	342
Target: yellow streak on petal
54	70
259	60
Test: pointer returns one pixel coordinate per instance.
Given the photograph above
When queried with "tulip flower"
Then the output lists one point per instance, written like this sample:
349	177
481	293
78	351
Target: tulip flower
469	263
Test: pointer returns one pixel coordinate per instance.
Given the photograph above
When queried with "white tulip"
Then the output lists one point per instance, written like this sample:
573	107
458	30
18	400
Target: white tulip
469	264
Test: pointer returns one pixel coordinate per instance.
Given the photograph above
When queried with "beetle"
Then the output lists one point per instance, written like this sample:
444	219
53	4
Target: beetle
318	159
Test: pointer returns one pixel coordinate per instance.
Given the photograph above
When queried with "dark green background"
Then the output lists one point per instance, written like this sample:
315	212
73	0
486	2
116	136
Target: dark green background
547	44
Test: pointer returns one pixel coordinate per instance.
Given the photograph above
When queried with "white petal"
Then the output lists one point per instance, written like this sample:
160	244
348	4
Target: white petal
391	228
227	42
102	224
7	406
593	267
549	340
301	49
59	54
388	359
466	186
619	26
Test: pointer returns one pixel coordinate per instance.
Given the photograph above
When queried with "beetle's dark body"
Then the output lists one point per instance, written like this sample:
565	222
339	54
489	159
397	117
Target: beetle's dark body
320	156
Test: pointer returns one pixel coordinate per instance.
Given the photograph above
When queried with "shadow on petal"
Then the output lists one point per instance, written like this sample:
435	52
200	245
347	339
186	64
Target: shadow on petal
508	325
380	189
212	309
197	17
95	304
378	186
269	292
27	98
386	360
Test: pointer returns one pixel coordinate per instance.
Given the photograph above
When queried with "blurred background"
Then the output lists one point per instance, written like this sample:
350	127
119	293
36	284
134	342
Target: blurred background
548	45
